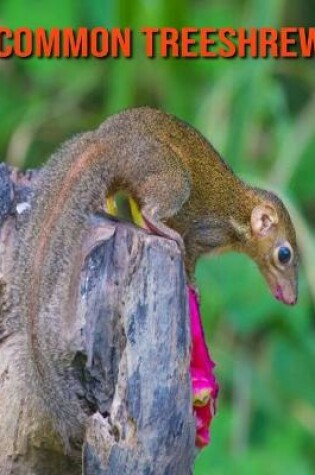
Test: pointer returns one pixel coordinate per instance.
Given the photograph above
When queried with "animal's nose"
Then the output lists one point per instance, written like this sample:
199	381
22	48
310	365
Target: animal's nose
293	301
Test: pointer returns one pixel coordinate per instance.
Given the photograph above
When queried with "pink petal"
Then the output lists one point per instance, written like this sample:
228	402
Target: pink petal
204	384
203	419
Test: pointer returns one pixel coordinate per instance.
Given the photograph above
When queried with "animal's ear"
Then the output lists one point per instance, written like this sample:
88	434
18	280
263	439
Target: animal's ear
264	218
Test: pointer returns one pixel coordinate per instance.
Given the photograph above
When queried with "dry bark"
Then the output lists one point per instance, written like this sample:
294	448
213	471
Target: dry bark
131	357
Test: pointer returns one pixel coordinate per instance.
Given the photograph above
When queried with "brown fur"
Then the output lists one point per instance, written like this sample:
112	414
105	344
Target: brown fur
177	178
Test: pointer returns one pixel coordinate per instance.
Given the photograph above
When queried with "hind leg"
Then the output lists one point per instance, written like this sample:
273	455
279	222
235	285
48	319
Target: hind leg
165	194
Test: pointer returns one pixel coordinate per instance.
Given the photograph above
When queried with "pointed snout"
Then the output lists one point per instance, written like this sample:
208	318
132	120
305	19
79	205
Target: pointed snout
283	285
287	296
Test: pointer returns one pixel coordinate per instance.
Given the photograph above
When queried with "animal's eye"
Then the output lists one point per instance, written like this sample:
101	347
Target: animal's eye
284	254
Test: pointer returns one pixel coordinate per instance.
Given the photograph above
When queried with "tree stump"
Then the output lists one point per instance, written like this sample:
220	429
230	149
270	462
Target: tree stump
130	346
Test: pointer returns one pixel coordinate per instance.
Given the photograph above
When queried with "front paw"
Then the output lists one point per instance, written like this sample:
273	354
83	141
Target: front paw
159	228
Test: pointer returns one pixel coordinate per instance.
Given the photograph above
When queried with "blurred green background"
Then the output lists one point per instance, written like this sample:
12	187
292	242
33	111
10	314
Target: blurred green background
260	114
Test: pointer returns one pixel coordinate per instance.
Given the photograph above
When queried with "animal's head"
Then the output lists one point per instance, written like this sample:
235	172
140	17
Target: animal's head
273	246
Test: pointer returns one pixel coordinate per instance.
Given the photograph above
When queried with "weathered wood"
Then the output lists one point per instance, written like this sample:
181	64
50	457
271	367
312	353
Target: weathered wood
129	341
